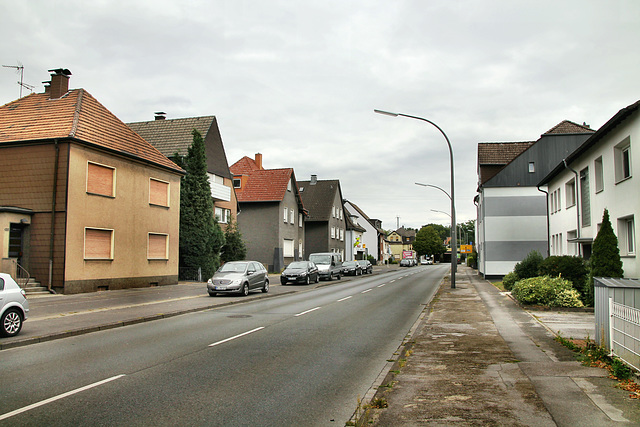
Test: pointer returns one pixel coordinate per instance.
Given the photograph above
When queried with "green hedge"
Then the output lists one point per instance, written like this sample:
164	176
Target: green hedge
545	290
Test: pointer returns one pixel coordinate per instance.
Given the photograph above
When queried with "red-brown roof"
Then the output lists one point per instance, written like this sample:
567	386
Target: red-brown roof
76	115
567	126
261	185
500	153
244	166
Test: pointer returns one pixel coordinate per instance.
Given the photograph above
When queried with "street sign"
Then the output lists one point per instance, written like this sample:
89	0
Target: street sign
466	249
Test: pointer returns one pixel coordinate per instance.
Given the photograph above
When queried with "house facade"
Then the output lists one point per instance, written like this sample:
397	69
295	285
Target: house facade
174	137
272	215
373	236
88	204
401	240
354	237
598	175
511	208
326	223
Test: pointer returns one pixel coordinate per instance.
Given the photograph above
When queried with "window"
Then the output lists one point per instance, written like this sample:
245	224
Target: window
158	246
599	174
570	192
622	160
626	233
300	247
98	244
300	220
342	234
158	192
289	186
223	215
288	248
572	247
237	182
292	217
532	167
333	232
585	205
101	180
285	212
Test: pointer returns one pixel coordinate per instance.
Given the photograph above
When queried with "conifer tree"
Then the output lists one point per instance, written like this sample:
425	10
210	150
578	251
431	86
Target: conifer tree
605	256
201	237
234	248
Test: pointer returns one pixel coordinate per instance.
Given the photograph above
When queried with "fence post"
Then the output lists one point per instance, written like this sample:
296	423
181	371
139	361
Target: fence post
610	326
199	274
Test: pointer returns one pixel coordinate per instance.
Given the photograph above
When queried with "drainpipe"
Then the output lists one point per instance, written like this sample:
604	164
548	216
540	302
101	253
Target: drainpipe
53	215
577	204
548	228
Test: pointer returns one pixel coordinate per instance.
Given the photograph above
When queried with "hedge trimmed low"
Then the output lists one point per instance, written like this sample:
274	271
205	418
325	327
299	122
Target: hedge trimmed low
545	290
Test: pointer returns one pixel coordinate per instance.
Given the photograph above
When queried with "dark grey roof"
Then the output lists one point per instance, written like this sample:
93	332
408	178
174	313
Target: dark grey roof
318	198
171	136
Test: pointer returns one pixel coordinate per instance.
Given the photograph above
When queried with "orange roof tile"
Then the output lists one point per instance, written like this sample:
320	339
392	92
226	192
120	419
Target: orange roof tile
77	115
263	185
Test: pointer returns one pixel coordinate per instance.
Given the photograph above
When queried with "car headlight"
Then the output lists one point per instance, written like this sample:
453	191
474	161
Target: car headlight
236	282
209	282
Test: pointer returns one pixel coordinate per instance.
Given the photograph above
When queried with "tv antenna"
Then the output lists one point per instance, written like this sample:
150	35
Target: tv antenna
20	69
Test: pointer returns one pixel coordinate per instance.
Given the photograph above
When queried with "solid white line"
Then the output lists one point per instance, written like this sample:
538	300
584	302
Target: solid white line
308	311
368	290
237	336
345	298
61	396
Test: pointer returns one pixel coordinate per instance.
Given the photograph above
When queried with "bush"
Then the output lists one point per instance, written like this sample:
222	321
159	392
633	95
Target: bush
572	268
545	290
472	260
529	266
509	280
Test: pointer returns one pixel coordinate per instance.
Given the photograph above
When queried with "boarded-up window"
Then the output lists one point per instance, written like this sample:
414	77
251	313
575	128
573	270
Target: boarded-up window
158	192
101	179
98	243
158	246
288	248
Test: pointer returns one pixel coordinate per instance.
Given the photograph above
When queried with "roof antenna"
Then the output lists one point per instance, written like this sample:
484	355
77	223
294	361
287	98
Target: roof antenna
20	69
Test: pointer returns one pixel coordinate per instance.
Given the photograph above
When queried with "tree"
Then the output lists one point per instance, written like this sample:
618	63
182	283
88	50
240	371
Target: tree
428	242
605	258
201	237
234	248
442	231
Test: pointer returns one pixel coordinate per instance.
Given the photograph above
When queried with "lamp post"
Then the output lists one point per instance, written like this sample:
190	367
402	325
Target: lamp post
454	249
456	265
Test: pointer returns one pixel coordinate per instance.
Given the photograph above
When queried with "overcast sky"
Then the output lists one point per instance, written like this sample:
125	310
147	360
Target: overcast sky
298	80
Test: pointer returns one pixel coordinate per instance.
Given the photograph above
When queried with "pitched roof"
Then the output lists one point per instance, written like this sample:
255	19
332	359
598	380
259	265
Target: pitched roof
262	185
79	116
568	127
362	214
318	198
500	153
245	165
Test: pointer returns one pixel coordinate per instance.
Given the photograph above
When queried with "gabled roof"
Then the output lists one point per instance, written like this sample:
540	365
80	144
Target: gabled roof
350	225
568	127
613	122
79	116
500	153
244	166
171	136
363	215
319	197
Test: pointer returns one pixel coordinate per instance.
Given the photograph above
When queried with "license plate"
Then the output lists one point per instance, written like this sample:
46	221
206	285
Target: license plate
221	288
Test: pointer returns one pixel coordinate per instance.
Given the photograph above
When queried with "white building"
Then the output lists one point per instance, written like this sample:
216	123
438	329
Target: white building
598	175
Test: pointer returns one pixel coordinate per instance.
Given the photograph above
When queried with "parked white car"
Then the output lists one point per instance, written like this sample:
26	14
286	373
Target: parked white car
14	307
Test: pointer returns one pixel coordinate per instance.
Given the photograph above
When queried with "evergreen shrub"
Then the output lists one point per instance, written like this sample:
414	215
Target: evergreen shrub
509	280
548	291
529	266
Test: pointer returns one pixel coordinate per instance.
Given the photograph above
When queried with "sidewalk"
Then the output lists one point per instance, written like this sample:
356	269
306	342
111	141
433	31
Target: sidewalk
477	358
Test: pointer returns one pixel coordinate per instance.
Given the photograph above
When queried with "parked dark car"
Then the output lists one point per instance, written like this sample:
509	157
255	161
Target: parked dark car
351	268
406	263
239	277
300	272
366	266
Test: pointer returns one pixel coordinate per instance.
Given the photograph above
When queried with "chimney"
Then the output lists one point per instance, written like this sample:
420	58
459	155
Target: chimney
47	87
160	115
59	83
259	160
314	179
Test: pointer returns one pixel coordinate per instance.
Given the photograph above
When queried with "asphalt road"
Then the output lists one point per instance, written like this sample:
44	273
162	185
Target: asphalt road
299	359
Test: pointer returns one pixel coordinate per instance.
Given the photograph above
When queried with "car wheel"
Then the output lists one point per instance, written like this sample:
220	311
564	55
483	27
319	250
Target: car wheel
283	282
317	278
338	276
11	323
330	277
307	281
245	290
265	288
212	294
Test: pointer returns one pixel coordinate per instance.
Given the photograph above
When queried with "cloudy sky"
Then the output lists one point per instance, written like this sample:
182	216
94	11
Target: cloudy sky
298	80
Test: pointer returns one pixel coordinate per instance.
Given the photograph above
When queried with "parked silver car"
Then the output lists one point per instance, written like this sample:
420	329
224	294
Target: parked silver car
14	307
239	277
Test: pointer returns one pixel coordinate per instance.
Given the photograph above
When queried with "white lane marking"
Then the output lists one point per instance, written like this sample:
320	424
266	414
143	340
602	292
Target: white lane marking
392	281
345	298
384	284
368	290
308	311
236	336
60	396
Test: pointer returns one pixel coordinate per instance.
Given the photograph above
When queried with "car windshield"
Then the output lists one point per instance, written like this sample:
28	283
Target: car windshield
363	262
233	267
298	264
321	259
350	264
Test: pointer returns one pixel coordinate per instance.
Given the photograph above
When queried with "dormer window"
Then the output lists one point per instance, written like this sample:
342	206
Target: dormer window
237	182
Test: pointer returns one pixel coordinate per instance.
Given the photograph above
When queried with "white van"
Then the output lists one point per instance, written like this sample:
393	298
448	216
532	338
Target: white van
329	264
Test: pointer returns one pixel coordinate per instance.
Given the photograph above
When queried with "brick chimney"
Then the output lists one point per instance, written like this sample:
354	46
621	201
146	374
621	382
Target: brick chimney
314	180
259	160
59	83
160	115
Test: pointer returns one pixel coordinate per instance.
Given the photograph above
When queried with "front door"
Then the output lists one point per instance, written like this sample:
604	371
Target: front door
15	242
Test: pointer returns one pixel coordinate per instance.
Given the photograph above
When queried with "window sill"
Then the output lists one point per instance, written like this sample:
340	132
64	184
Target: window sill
99	259
101	195
158	259
624	179
628	256
159	206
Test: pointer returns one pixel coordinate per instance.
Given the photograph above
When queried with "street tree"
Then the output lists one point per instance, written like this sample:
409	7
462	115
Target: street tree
234	248
428	242
201	237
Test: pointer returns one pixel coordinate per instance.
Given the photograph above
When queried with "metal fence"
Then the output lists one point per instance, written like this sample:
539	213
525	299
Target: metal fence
624	333
190	274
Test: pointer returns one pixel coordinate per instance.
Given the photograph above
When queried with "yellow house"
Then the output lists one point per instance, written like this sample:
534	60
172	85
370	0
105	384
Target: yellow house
86	202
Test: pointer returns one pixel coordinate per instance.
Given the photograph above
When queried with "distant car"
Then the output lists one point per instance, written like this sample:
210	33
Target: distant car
366	266
406	263
14	307
351	268
239	277
300	272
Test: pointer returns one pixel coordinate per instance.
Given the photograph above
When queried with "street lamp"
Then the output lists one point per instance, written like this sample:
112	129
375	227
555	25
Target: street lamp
433	186
454	249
